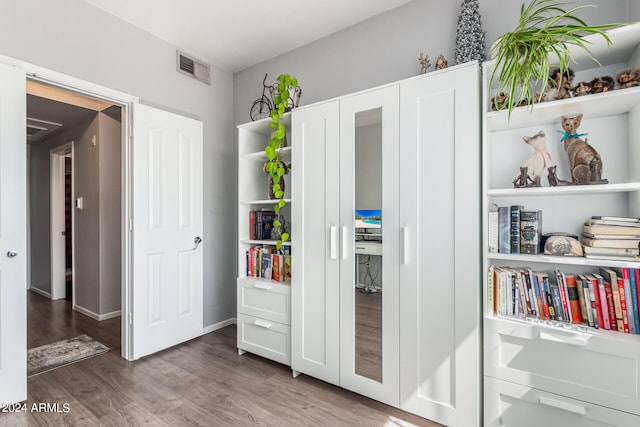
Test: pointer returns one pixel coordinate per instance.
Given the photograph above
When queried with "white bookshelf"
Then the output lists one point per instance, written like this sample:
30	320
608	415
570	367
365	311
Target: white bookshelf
263	305
538	370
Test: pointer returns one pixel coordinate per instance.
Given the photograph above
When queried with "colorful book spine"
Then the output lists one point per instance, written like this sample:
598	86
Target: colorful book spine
587	298
606	323
582	300
574	300
623	305
611	307
634	298
543	296
560	277
557	302
632	303
536	289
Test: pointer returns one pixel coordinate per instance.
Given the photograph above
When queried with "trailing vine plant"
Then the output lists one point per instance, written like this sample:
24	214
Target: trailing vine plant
522	56
286	84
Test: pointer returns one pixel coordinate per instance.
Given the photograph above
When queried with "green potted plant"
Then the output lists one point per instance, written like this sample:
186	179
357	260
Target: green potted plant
275	166
522	56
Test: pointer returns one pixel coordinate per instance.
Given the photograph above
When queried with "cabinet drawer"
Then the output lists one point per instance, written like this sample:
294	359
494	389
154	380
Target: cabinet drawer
595	366
265	299
513	405
265	338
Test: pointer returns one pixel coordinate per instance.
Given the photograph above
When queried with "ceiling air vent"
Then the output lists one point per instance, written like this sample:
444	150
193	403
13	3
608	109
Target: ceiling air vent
38	129
192	67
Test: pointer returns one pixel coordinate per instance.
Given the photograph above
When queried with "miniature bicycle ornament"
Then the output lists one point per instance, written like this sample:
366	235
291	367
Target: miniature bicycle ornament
261	107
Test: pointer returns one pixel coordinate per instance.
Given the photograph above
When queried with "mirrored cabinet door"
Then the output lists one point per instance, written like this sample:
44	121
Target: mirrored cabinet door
369	160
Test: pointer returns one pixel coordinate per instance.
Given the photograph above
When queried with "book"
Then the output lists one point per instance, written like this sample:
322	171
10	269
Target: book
286	268
606	323
504	230
533	302
515	228
538	277
628	258
616	220
536	289
582	300
574	301
587	298
525	305
266	269
631	295
557	313
264	224
530	232
564	298
602	229
623	304
491	294
596	308
613	321
252	224
611	277
492	232
275	267
610	243
547	299
635	295
590	250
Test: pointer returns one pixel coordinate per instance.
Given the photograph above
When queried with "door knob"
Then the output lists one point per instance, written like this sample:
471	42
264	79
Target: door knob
197	242
12	254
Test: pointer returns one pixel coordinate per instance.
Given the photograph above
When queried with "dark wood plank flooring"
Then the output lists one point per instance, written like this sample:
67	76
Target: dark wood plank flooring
200	383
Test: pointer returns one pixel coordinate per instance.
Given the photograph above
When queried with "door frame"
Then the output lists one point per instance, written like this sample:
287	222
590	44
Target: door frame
124	101
57	157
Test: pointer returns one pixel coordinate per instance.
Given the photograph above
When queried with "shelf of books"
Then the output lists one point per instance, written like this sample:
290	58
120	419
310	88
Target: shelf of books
257	237
562	259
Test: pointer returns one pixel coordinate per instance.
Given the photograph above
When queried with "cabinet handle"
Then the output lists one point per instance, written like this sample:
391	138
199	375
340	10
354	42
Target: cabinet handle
334	242
262	324
345	242
565	406
262	286
580	341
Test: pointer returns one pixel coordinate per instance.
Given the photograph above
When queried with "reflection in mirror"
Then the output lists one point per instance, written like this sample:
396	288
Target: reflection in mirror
368	244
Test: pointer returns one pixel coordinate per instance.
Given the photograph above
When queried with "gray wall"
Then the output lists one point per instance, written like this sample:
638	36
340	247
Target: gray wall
634	10
368	164
385	48
40	203
86	236
75	38
109	147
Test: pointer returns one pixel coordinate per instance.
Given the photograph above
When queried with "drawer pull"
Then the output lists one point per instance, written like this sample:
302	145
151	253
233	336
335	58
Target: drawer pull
262	323
574	340
262	286
565	406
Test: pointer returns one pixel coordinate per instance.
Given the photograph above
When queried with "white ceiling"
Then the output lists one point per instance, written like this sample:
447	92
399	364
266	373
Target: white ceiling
235	34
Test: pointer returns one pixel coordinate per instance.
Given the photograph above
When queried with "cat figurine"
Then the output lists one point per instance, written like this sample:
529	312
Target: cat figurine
539	160
553	179
585	163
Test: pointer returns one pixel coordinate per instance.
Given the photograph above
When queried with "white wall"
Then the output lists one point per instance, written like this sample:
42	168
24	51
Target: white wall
75	38
385	48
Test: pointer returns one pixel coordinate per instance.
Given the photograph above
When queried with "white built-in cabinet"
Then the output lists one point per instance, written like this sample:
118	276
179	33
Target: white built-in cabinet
550	373
422	350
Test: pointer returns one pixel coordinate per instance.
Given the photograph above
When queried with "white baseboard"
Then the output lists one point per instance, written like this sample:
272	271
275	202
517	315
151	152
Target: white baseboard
219	325
96	316
40	291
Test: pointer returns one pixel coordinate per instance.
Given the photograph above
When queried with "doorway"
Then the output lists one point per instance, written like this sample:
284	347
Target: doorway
75	145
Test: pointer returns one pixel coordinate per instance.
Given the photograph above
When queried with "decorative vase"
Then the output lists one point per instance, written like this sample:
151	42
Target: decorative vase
272	196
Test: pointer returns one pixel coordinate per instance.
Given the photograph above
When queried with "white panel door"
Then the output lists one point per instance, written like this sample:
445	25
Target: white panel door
360	337
440	223
13	236
315	290
167	224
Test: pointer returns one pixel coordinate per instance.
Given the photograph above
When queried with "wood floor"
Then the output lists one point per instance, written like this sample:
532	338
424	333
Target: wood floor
200	383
